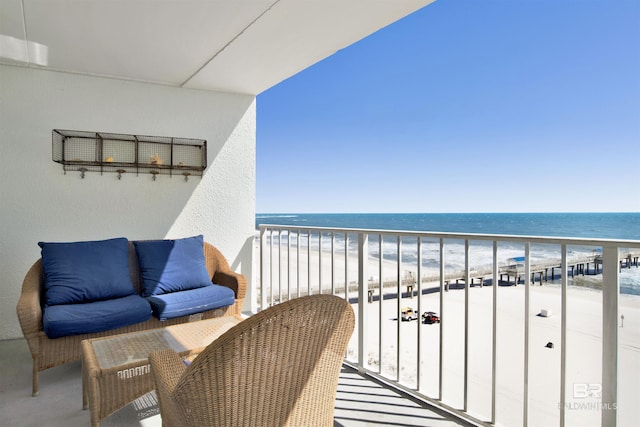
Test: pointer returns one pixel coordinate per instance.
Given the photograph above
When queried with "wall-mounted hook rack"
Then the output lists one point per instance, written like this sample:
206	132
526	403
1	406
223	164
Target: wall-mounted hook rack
119	153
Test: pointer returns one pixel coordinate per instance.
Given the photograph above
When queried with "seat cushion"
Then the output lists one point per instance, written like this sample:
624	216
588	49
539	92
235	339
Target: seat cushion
75	319
172	265
81	272
176	304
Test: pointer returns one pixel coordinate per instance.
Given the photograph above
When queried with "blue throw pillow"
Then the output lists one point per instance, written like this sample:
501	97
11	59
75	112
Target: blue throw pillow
172	265
82	272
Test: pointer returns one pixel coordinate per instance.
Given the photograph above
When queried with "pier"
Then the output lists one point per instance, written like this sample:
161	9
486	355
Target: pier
580	265
513	271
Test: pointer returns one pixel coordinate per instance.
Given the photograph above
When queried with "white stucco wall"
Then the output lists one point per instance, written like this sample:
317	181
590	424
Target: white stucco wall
39	202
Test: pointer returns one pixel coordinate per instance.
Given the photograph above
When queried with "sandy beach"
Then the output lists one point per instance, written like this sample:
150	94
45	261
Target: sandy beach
584	357
584	348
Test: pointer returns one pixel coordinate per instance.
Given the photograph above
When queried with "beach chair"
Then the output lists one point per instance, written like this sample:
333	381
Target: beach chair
279	367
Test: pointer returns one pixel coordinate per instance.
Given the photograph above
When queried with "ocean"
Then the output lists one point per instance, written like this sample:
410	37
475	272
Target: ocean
579	225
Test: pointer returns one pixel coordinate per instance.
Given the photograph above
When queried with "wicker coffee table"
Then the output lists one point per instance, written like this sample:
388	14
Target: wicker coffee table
115	370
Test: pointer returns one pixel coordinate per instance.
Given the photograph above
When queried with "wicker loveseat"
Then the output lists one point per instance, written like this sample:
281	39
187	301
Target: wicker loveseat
50	352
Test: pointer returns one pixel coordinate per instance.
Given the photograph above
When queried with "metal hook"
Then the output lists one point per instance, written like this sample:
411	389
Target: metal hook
82	171
120	172
154	173
186	176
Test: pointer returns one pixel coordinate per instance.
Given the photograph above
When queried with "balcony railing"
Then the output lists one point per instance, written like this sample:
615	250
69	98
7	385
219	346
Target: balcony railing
482	362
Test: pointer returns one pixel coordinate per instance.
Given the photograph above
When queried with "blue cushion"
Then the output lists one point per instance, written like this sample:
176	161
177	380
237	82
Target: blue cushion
81	272
193	301
172	265
75	319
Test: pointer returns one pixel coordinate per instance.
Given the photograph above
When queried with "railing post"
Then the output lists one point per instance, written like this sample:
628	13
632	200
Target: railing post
563	335
279	266
610	300
443	318
288	264
527	285
320	262
381	293
309	262
333	256
271	279
494	331
398	306
298	244
418	329
363	256
467	285
346	266
263	269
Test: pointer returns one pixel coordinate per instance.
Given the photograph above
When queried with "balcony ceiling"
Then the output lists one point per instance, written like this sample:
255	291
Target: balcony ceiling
241	46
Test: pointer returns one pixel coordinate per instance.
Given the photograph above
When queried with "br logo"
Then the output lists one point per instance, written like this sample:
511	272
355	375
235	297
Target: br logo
585	390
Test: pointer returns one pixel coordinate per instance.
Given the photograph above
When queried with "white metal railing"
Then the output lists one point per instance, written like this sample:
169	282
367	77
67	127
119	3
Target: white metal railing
353	263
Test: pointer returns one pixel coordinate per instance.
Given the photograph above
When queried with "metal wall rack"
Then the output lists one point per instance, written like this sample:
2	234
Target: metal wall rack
84	151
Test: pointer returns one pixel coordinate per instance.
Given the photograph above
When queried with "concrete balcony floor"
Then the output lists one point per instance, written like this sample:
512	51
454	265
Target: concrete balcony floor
360	401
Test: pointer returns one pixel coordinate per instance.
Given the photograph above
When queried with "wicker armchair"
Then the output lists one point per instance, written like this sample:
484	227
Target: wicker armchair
279	367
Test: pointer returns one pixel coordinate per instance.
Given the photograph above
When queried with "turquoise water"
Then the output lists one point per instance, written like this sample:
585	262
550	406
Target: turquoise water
579	225
582	225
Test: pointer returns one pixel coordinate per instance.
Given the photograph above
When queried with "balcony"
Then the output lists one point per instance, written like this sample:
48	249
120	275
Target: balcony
528	350
532	331
360	401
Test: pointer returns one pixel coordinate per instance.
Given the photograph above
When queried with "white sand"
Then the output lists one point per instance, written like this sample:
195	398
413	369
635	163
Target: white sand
584	348
583	341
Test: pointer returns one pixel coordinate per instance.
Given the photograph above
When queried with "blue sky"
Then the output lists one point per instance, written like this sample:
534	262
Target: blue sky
463	106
